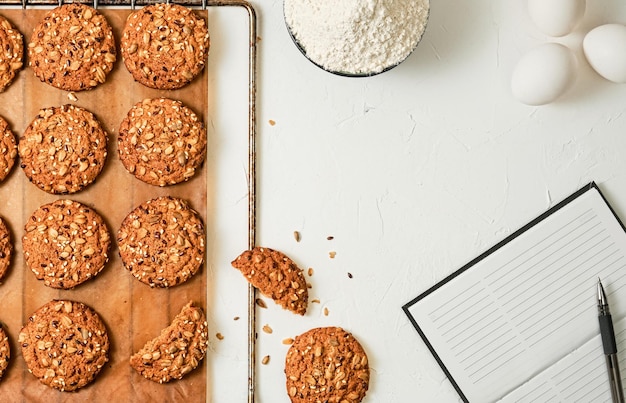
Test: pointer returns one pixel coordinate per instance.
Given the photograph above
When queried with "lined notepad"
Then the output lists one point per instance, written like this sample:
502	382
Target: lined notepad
519	323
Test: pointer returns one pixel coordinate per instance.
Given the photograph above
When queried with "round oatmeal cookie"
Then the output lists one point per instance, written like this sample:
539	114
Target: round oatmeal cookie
63	150
11	54
177	350
5	351
6	249
162	242
8	149
65	243
162	142
276	276
65	344
73	48
165	46
326	364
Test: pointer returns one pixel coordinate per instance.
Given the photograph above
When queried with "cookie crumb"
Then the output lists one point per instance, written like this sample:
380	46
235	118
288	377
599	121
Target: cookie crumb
310	271
325	311
288	341
261	303
332	254
265	360
315	301
236	318
72	97
272	122
349	275
330	237
296	236
219	336
267	329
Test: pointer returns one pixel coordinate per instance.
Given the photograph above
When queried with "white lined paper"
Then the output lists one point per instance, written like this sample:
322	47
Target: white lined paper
579	377
528	308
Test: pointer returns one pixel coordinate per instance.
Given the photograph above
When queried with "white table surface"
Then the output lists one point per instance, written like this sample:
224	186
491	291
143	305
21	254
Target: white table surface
413	172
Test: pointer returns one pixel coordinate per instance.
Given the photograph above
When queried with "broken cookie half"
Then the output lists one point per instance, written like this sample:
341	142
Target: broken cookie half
177	350
276	276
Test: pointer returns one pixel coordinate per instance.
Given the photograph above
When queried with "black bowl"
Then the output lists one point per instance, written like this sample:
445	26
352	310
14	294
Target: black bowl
345	73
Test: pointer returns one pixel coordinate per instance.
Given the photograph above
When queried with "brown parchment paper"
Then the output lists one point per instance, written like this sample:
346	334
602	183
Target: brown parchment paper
132	311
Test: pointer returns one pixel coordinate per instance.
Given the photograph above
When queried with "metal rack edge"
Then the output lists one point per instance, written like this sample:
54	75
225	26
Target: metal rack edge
251	136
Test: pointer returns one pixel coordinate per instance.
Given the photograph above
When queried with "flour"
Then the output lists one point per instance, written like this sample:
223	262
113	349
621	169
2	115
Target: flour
357	36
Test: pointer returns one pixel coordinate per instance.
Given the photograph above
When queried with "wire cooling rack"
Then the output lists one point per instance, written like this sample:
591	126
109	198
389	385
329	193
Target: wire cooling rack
132	3
252	59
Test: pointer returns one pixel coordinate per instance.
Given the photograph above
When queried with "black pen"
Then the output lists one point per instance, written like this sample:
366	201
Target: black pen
610	347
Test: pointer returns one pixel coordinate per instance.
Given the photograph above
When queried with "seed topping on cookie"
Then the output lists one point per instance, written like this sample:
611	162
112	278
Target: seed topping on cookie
73	48
326	364
63	150
162	142
65	243
5	351
276	276
11	53
6	249
65	344
165	46
8	149
177	350
162	242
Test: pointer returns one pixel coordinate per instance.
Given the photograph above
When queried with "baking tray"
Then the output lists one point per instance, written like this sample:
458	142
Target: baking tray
126	305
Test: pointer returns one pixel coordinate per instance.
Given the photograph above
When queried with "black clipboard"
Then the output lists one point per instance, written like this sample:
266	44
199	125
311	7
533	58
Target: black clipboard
488	252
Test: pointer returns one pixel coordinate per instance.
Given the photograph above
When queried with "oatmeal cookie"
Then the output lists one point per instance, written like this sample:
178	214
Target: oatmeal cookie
63	150
6	249
162	142
177	350
326	364
12	54
65	243
162	242
165	46
5	351
65	344
276	276
8	149
73	48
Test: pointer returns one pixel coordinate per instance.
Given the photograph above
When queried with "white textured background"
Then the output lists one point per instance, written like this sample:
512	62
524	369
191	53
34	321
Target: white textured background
413	172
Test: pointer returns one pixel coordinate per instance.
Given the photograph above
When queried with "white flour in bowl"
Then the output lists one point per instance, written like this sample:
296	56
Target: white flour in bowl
357	36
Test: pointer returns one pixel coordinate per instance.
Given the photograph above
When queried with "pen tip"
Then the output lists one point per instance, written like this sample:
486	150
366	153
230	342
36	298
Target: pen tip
601	294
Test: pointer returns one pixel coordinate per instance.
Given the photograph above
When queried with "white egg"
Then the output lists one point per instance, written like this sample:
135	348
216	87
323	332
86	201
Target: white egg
605	50
543	74
556	17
